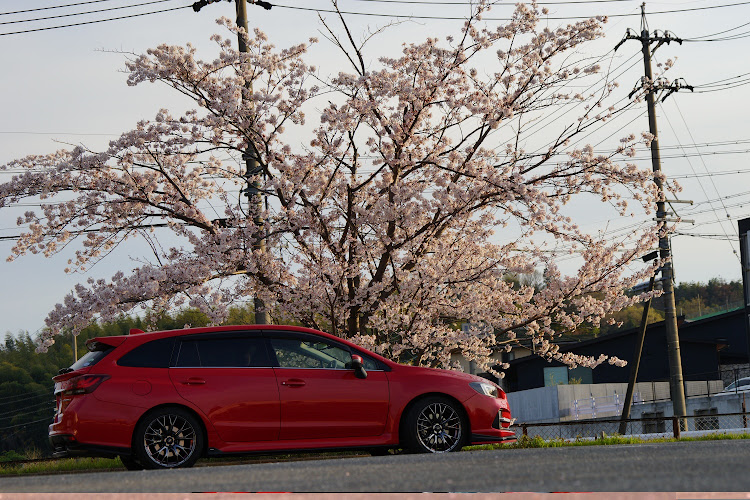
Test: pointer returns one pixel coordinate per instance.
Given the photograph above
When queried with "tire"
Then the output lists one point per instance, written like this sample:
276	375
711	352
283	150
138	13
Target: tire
168	438
130	463
435	425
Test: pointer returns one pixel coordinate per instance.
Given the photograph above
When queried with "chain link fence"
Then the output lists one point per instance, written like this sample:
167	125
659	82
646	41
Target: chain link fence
647	428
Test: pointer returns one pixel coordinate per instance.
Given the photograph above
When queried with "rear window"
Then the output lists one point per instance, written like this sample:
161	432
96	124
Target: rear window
97	352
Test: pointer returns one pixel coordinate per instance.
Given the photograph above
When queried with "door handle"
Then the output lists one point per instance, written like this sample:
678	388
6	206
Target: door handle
194	381
293	382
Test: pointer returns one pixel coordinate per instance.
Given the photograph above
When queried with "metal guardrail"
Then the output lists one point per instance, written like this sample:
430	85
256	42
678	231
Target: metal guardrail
709	423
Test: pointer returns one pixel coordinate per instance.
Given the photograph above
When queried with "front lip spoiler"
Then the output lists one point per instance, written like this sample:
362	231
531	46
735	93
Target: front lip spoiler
483	438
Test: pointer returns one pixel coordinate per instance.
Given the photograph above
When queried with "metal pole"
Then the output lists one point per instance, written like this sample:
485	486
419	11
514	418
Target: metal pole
677	389
252	170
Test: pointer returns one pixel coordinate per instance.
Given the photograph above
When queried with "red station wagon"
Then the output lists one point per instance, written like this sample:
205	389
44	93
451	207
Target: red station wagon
165	399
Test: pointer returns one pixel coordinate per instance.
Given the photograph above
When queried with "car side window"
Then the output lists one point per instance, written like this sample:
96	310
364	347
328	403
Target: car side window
239	352
303	353
154	354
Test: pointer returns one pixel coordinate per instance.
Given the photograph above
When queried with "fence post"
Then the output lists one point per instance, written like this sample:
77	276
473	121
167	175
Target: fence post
676	427
525	430
744	413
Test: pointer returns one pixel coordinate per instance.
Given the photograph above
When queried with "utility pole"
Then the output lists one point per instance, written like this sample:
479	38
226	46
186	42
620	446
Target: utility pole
676	385
250	156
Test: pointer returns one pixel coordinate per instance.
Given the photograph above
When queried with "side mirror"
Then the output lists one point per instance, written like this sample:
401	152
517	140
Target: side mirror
356	364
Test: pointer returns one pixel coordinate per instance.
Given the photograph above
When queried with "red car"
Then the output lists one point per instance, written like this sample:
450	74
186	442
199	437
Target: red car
165	399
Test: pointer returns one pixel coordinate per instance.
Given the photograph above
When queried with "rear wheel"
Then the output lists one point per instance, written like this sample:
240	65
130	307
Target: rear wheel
435	425
168	438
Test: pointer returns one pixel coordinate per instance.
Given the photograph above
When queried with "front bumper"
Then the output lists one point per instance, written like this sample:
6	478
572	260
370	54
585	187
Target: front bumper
490	420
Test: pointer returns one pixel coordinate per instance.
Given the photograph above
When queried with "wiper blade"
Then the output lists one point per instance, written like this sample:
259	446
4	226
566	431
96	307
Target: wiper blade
64	370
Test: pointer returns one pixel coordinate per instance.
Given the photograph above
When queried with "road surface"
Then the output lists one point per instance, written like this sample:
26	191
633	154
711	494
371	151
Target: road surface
681	466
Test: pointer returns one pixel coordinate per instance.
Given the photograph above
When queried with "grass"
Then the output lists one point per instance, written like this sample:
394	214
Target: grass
538	442
86	464
108	464
58	466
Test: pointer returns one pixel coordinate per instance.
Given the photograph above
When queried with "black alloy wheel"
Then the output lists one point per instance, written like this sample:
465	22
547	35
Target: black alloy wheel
168	438
435	425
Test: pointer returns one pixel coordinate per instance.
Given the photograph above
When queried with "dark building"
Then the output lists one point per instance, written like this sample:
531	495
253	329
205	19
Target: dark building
706	345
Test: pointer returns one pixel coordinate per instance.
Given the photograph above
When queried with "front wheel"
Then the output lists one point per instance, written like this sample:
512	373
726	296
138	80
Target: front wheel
168	438
435	425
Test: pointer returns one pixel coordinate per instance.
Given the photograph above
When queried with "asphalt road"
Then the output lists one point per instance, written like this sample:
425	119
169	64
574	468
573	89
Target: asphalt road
682	467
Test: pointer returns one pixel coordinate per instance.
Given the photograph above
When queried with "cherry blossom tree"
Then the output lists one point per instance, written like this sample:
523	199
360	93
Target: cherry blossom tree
401	211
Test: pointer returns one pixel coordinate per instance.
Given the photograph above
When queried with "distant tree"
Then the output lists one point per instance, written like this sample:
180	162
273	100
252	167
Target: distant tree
694	299
630	317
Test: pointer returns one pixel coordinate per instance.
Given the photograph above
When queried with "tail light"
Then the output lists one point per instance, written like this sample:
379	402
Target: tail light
83	384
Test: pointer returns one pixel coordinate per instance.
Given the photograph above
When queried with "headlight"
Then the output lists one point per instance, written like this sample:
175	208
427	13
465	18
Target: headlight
484	388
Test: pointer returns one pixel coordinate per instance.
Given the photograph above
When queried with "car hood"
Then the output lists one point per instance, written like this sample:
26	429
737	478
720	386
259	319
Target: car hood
447	373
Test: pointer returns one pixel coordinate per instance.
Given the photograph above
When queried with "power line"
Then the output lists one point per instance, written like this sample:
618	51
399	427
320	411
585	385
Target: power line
690	134
29	409
53	133
720	173
723	81
738	36
719	237
85	13
25	423
398	16
84	231
24	397
696	39
52	7
468	3
729	86
94	22
449	18
721	225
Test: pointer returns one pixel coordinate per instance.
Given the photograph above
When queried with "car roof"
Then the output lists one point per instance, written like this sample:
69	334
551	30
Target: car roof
144	337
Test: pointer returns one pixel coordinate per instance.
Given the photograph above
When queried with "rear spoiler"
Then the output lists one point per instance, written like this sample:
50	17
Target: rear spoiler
95	343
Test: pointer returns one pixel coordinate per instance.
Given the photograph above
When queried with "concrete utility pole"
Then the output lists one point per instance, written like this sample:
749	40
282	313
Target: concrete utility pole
676	385
250	155
252	171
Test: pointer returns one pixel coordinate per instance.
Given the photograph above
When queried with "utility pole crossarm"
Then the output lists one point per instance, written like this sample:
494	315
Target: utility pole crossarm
197	6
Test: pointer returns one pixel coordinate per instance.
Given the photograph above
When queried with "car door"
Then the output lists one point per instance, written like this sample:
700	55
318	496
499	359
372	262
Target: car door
320	395
231	379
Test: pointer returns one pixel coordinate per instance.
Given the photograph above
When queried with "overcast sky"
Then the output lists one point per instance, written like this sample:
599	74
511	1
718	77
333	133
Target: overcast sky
66	86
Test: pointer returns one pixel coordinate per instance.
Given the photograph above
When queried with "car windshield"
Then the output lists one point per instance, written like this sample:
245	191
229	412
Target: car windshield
741	384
